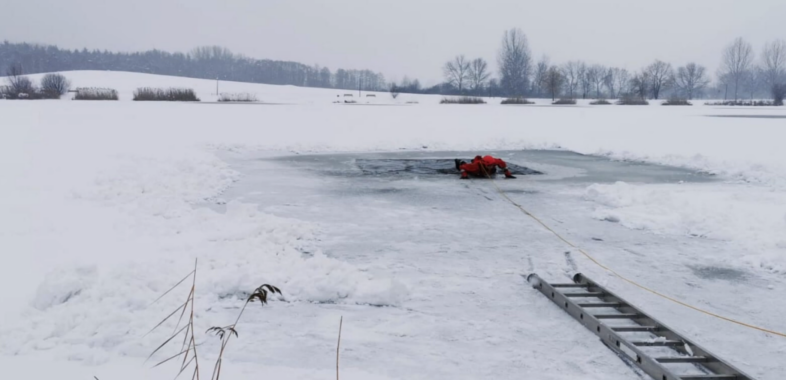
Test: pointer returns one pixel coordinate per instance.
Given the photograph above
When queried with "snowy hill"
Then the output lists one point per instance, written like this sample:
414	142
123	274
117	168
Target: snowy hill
105	205
125	83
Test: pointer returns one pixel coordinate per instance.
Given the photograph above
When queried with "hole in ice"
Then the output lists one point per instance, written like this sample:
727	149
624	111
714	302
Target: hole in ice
389	166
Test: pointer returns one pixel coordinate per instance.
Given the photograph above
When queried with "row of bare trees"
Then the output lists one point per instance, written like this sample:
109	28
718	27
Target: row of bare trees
464	74
472	77
740	73
519	77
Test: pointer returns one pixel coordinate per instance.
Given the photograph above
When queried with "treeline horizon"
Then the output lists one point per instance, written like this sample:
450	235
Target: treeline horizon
742	74
207	62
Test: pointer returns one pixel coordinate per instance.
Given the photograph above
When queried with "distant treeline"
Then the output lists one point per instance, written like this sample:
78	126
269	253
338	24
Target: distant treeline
212	62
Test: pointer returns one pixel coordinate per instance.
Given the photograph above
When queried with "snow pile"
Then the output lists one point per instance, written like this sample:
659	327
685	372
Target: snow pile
751	217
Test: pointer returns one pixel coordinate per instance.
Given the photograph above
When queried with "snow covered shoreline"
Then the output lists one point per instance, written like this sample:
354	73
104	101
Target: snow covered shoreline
101	202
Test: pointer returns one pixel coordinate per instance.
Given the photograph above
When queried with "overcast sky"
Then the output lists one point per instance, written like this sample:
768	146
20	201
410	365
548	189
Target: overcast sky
403	37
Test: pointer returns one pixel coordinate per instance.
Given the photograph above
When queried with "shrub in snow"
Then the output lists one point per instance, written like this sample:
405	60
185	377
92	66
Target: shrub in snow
564	101
17	84
517	100
237	97
677	102
632	101
463	100
54	85
22	88
600	102
749	103
165	94
93	93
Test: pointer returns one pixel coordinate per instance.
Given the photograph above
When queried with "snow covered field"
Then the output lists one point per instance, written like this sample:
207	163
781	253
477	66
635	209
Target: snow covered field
105	205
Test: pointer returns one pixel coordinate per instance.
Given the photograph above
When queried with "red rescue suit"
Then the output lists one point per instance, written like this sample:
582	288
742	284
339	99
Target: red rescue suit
483	167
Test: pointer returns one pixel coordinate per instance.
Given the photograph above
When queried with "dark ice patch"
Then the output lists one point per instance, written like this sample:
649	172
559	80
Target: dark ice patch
751	116
386	166
718	273
521	191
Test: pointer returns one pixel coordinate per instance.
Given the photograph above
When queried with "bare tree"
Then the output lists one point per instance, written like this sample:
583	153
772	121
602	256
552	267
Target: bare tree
554	79
515	62
457	72
55	85
659	73
774	64
570	73
622	80
608	81
640	85
539	85
737	60
584	80
478	73
691	80
17	82
724	82
753	81
596	74
394	90
778	93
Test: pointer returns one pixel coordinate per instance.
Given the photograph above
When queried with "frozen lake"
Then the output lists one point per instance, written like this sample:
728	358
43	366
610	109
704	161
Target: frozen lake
461	253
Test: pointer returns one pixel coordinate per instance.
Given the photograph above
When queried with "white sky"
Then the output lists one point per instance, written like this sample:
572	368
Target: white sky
403	37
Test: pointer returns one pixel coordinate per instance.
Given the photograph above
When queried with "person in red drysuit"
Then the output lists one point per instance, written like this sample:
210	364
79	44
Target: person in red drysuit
482	167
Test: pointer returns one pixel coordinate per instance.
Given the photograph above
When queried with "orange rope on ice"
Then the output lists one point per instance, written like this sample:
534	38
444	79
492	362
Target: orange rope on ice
612	271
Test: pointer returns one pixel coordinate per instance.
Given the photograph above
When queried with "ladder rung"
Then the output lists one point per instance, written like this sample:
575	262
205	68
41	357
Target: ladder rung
602	304
617	316
568	285
634	328
587	294
683	359
659	343
708	377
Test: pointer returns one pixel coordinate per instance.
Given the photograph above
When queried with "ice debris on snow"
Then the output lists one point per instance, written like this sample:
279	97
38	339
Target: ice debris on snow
63	284
751	218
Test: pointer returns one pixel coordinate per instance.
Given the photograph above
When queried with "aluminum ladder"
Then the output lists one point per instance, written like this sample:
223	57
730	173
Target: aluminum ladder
632	334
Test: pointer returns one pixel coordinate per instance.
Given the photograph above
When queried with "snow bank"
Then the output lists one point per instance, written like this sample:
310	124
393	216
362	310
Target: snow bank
750	217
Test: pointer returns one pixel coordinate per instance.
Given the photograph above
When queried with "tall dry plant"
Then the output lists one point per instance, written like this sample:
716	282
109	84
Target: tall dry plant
226	332
188	349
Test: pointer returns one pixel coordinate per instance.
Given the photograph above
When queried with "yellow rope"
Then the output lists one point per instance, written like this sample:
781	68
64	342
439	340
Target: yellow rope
634	283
